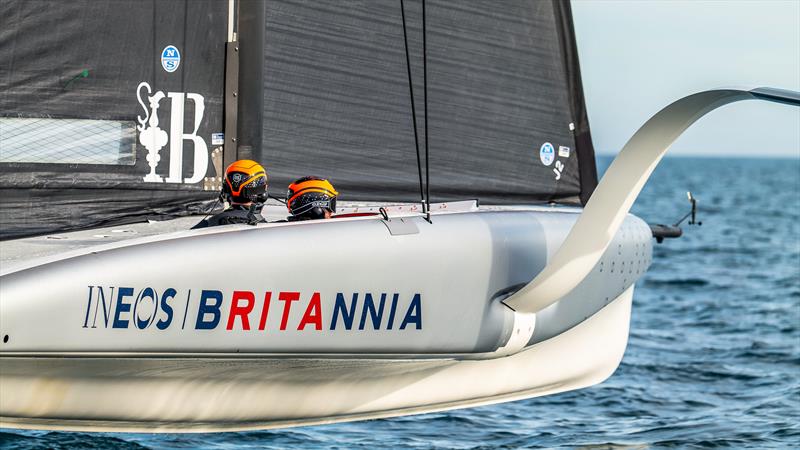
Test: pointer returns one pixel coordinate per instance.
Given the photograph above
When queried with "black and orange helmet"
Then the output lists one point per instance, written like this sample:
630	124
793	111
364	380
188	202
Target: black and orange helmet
309	197
245	182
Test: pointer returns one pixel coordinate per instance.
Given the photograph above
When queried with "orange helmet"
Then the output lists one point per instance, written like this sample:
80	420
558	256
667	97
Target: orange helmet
245	182
309	197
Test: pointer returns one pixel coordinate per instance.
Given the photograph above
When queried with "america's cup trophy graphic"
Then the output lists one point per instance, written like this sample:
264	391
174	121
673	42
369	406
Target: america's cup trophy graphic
151	136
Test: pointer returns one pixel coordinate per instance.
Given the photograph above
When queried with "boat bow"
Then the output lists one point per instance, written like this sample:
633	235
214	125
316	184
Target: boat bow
616	192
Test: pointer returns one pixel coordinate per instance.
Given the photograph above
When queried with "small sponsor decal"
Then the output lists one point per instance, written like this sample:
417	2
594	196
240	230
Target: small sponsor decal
547	153
563	151
170	58
558	169
217	138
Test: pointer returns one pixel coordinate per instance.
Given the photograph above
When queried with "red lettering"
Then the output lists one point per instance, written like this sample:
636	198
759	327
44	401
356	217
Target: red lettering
287	298
241	311
313	315
263	322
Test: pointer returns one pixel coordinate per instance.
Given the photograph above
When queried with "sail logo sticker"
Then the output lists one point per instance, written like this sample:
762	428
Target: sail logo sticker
170	58
558	169
563	151
154	138
547	153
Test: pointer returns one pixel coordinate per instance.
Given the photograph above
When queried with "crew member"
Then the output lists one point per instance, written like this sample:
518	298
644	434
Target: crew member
245	190
311	198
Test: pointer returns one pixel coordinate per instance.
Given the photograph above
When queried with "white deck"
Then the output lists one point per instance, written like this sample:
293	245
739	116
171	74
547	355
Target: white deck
15	251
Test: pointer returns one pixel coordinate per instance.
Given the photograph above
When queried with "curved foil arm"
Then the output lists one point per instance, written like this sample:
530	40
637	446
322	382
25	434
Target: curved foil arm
615	194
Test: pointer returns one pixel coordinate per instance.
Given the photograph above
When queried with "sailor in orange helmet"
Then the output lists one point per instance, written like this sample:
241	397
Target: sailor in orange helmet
245	189
311	198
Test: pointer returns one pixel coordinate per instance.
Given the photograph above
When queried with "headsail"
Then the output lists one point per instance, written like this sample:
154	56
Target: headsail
506	115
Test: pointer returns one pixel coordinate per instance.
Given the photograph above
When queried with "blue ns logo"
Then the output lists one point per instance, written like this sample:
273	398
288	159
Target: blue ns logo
547	153
170	58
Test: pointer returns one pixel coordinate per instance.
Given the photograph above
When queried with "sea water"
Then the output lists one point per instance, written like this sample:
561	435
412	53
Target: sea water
713	358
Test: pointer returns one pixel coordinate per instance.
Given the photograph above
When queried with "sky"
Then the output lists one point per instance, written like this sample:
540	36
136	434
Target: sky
638	56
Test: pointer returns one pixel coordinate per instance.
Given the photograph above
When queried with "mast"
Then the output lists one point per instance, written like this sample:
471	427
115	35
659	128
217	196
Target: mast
251	79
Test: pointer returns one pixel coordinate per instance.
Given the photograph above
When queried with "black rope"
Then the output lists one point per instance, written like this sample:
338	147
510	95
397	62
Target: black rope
214	207
278	199
425	96
413	108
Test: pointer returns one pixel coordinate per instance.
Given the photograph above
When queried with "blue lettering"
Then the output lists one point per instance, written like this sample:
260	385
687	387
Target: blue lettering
393	309
88	308
101	297
376	316
121	307
347	316
205	308
414	314
147	292
165	306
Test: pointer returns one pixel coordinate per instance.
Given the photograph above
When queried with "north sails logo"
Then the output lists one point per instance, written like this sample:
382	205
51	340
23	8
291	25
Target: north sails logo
170	58
154	138
547	153
145	308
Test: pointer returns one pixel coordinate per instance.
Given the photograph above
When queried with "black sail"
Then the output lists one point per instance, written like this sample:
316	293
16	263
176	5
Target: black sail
81	82
503	81
70	149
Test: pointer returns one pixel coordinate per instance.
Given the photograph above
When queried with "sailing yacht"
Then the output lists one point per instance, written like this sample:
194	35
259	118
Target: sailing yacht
515	282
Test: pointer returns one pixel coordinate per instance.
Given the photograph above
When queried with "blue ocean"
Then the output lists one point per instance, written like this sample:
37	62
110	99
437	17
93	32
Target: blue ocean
713	358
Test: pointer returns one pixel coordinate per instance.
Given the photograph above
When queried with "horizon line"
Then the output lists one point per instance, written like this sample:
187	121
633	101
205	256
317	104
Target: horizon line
717	155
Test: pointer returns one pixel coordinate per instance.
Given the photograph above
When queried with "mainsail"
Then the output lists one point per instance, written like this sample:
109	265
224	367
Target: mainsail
84	85
92	94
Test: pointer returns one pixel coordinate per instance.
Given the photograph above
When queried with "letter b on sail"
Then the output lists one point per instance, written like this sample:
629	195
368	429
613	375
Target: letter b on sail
176	145
154	138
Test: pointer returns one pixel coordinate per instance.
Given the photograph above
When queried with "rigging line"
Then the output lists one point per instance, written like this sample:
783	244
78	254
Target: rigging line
278	199
413	108
425	97
219	199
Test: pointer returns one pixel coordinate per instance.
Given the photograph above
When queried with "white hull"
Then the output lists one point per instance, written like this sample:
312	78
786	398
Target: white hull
122	360
204	393
357	288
